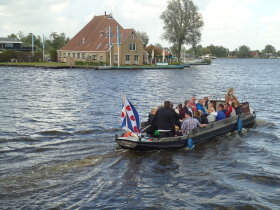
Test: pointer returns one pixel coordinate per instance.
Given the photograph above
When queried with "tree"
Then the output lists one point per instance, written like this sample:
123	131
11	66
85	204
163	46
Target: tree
269	50
144	36
218	51
194	39
158	45
20	35
14	36
243	52
53	54
182	24
58	40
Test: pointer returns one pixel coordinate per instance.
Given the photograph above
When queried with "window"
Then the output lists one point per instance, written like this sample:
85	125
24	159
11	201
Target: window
93	57
60	55
132	47
10	45
98	46
127	59
136	59
132	36
64	55
78	55
115	59
69	55
101	57
83	55
73	55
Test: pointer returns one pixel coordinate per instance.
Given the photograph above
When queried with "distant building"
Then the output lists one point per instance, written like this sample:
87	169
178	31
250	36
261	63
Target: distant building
92	44
10	43
13	44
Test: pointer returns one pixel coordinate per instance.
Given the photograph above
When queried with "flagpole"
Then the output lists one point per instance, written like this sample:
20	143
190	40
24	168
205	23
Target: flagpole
118	37
43	39
32	40
110	45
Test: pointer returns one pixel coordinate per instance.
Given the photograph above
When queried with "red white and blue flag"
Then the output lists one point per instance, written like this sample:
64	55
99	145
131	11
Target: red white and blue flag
130	117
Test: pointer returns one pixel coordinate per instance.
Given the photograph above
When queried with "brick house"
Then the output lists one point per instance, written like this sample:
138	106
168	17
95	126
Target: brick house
92	44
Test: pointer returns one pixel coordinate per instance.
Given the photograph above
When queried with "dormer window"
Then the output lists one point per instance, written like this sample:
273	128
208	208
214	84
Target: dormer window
98	46
132	36
132	47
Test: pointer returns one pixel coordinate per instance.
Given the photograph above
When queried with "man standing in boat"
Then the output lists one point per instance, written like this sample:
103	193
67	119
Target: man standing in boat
164	121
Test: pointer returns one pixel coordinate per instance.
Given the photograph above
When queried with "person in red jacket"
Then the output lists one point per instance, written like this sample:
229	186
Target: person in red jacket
229	109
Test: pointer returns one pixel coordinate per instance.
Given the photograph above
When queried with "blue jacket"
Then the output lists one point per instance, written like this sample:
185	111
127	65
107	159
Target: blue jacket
221	115
201	108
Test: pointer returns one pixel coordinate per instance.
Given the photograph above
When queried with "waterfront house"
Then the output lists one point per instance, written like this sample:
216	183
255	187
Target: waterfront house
10	43
13	44
98	42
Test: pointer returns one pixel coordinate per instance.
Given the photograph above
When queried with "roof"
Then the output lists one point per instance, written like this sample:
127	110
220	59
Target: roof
95	35
9	40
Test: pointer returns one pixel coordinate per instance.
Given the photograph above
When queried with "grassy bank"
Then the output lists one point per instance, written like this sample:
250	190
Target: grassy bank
45	64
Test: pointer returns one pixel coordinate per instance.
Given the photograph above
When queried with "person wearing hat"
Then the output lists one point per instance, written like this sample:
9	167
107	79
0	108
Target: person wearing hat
190	123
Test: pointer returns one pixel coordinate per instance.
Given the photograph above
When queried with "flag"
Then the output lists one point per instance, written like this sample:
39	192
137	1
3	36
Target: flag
130	117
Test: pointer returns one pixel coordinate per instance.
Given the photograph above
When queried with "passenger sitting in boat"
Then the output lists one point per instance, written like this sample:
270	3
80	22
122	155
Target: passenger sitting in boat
179	110
150	130
221	113
176	116
206	102
192	103
190	123
164	121
200	106
187	107
211	117
196	115
203	117
230	111
210	106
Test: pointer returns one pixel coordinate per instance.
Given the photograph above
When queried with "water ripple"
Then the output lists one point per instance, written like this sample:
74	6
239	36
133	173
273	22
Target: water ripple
57	146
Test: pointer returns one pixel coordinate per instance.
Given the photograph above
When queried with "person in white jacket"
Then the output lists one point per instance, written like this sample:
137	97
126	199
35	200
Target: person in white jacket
211	115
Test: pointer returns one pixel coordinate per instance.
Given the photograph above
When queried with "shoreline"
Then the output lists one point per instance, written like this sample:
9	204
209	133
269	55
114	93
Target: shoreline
62	66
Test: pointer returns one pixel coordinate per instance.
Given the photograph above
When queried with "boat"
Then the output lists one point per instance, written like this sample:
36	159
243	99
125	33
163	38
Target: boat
198	135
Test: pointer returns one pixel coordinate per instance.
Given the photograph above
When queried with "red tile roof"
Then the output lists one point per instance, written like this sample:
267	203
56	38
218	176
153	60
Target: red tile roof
94	36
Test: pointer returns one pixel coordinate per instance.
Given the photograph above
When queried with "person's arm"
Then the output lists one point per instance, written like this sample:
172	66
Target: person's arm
202	125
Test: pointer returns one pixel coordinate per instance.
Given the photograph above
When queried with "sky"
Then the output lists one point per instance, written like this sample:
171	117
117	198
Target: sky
227	23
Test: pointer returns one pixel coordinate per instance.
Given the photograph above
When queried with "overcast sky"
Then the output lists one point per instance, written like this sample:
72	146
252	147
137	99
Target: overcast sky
229	23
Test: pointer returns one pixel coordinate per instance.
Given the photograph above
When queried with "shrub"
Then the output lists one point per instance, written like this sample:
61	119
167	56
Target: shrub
79	63
209	61
53	54
90	63
7	55
175	63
